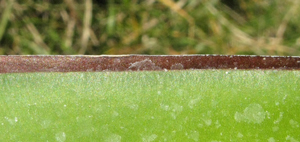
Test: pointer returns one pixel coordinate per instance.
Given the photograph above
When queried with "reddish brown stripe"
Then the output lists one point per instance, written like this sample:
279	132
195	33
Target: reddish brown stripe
13	64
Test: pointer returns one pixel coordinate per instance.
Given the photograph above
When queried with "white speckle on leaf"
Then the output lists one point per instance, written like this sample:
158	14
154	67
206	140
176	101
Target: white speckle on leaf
200	125
113	138
117	61
115	113
98	68
284	97
177	66
177	108
149	138
173	115
254	113
294	123
240	135
158	92
10	121
60	137
45	123
165	107
194	135
207	121
206	118
144	65
279	119
194	102
291	139
217	123
134	106
271	139
275	129
90	70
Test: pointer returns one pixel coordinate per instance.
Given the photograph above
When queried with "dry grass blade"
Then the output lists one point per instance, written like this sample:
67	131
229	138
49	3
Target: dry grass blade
37	38
248	41
150	24
35	47
93	37
86	26
150	27
71	21
71	7
237	32
287	17
5	16
176	8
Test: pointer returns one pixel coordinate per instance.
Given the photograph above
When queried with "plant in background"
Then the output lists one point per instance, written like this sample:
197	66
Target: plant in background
149	27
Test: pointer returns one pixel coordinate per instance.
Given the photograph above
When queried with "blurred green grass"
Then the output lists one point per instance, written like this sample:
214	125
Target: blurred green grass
269	27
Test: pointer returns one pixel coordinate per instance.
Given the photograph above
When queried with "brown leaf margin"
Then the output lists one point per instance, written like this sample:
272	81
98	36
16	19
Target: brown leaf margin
97	63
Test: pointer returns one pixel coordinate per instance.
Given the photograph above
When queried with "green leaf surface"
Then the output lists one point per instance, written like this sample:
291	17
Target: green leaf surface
195	105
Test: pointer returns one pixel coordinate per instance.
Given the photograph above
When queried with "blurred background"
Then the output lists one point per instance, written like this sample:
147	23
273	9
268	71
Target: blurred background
94	27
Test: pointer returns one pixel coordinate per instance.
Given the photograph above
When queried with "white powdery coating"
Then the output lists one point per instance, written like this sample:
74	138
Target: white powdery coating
177	66
60	137
113	138
254	113
144	65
